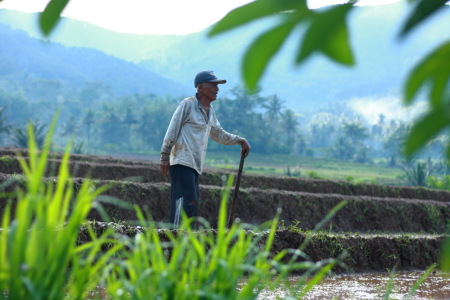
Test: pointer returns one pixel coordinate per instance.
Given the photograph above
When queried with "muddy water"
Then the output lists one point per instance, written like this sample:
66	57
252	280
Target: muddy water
359	286
374	285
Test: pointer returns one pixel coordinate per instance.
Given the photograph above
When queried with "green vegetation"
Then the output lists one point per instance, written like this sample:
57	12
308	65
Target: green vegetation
26	272
21	136
99	121
431	73
5	127
422	278
431	76
268	157
41	259
442	183
312	167
7	160
140	129
231	263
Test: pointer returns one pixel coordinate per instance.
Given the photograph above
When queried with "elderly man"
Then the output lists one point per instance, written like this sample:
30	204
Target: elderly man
184	147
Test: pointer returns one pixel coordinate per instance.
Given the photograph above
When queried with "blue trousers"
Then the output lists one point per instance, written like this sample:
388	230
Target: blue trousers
184	192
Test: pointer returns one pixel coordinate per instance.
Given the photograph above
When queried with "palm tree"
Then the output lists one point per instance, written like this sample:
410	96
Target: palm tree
145	128
129	120
93	92
70	128
395	141
290	125
5	128
416	173
245	100
78	148
88	121
355	131
274	107
20	135
112	130
342	149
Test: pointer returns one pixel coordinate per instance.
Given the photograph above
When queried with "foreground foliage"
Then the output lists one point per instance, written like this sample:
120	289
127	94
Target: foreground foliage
40	257
327	33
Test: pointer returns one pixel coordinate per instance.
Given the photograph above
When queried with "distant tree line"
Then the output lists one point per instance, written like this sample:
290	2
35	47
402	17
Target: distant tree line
97	121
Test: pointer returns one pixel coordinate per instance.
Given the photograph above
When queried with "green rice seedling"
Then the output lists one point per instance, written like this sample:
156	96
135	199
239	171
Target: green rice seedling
445	255
412	291
314	272
422	278
203	264
390	285
39	255
224	263
319	225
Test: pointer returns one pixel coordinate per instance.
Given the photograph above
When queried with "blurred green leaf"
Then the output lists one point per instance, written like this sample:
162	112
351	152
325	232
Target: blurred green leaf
422	11
51	15
255	10
445	256
427	128
328	34
447	151
262	50
434	70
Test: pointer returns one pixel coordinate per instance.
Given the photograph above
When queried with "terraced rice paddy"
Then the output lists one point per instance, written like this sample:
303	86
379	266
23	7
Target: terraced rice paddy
379	228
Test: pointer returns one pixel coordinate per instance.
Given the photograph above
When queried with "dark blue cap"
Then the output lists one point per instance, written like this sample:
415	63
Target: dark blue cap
207	76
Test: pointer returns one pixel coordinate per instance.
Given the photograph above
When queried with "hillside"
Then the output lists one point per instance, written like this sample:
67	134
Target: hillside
382	61
24	58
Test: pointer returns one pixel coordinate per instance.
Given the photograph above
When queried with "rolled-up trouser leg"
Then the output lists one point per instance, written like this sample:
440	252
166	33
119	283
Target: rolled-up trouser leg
184	192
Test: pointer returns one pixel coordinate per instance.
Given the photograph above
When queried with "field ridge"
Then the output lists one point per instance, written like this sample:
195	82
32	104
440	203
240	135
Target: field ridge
379	227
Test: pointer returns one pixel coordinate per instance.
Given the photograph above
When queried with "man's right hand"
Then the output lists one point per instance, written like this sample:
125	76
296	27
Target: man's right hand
245	147
164	167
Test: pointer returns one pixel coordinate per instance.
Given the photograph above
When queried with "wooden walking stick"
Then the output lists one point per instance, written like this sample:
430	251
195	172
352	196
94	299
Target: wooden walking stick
236	191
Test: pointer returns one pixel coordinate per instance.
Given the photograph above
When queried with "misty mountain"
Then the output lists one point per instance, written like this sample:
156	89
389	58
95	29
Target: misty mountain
382	60
23	57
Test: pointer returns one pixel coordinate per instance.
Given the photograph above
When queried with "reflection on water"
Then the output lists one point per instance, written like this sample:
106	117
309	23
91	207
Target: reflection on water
374	285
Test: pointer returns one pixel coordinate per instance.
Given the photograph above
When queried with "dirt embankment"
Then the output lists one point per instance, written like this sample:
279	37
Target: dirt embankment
303	202
363	213
109	168
362	253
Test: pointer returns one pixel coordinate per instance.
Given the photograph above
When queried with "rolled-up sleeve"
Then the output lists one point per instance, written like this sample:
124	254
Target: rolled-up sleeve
219	135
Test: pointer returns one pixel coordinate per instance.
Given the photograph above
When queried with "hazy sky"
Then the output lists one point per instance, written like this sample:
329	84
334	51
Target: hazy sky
152	16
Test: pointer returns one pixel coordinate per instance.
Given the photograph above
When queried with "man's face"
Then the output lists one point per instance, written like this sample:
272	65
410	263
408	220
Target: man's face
209	90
